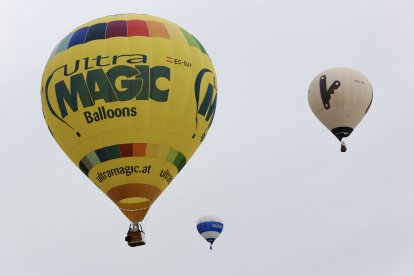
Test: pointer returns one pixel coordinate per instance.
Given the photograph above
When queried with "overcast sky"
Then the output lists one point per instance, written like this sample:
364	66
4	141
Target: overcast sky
292	204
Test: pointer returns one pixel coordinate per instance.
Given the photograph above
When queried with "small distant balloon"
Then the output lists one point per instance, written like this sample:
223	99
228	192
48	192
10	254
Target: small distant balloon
340	98
210	228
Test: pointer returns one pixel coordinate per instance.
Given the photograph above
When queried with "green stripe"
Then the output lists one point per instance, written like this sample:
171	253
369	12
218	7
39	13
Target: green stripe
200	45
90	160
114	151
93	158
172	155
178	159
192	41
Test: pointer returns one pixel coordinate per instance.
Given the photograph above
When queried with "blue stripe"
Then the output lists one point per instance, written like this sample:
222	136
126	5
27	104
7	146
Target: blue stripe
96	32
206	226
78	37
102	154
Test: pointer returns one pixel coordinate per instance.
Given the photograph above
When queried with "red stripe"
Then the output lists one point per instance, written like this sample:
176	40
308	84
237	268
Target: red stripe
116	28
126	150
137	28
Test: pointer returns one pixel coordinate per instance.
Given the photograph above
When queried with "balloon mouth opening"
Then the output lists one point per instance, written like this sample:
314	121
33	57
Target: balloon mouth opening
210	240
342	132
133	200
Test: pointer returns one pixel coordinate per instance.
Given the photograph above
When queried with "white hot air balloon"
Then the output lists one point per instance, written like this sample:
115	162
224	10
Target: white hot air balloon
210	228
340	98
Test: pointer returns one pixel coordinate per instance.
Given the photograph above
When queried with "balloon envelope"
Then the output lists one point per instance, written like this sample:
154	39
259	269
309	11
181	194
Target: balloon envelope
210	228
129	98
340	98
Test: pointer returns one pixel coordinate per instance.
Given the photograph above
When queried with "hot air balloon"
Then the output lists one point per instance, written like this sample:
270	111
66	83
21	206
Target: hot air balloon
210	228
340	98
129	98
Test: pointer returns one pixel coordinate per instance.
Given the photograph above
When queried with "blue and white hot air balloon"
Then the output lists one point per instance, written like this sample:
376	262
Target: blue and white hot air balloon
210	228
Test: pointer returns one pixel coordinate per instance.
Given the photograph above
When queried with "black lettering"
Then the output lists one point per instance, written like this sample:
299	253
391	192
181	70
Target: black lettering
118	112
128	170
136	58
125	112
96	117
134	111
86	65
88	117
75	69
99	59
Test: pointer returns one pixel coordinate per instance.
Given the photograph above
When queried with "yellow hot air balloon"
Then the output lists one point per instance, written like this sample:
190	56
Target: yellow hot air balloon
340	98
129	98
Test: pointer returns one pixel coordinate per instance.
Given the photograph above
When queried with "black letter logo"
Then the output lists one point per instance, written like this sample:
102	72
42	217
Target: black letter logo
326	94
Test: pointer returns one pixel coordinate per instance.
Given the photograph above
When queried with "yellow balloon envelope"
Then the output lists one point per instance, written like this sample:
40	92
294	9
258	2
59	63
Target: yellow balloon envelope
129	98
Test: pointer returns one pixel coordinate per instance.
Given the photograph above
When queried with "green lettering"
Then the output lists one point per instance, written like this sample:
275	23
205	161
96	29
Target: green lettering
156	73
143	74
65	98
129	87
99	86
208	106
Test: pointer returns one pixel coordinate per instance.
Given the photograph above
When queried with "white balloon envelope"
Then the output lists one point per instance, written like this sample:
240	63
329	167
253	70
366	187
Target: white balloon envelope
340	98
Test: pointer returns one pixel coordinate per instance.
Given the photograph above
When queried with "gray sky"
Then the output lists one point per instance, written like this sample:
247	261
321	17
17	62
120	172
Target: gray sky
292	204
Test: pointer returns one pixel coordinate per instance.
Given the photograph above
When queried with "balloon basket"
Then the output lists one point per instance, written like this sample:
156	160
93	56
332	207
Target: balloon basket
135	235
343	147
